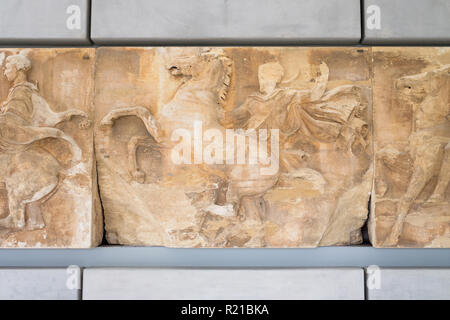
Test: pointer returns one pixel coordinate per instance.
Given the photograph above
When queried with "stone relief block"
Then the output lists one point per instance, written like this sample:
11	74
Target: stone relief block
48	188
234	147
411	198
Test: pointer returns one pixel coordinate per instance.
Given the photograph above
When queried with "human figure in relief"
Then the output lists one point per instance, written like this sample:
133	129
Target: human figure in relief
313	116
29	173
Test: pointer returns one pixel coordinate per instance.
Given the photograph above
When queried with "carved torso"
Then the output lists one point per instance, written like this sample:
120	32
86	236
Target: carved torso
18	106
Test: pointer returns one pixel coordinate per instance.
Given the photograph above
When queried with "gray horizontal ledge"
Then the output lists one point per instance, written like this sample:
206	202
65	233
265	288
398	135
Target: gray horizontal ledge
44	22
226	22
40	284
409	284
411	22
118	256
223	284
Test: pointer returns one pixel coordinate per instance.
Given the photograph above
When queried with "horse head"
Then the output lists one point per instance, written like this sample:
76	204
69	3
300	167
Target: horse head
203	68
414	88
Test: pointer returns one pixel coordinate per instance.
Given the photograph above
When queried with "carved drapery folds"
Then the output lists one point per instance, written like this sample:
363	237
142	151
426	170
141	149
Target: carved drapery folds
313	102
225	147
47	167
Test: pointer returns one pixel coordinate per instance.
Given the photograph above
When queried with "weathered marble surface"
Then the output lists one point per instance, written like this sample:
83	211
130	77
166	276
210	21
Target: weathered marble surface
314	104
48	188
411	97
318	98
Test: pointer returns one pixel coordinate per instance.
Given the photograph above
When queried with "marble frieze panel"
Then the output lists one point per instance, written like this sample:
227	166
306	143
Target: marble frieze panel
234	147
411	198
225	147
48	187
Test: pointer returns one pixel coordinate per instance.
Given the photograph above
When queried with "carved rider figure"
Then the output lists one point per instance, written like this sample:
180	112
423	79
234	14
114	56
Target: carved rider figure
17	110
269	107
29	173
309	115
18	102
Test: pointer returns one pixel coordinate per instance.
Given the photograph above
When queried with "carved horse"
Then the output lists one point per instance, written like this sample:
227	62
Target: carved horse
199	98
31	175
207	75
429	144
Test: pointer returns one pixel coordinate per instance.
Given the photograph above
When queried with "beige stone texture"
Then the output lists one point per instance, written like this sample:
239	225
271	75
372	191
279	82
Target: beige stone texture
48	187
313	192
299	171
411	98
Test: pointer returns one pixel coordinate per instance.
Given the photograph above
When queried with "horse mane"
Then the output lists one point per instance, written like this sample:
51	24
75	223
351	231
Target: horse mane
218	54
223	90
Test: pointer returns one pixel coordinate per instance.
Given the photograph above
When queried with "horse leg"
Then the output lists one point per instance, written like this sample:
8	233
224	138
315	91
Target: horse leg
254	208
252	219
84	124
35	217
30	177
426	159
443	178
133	166
17	209
221	198
140	112
65	116
7	223
76	151
47	132
16	212
33	209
